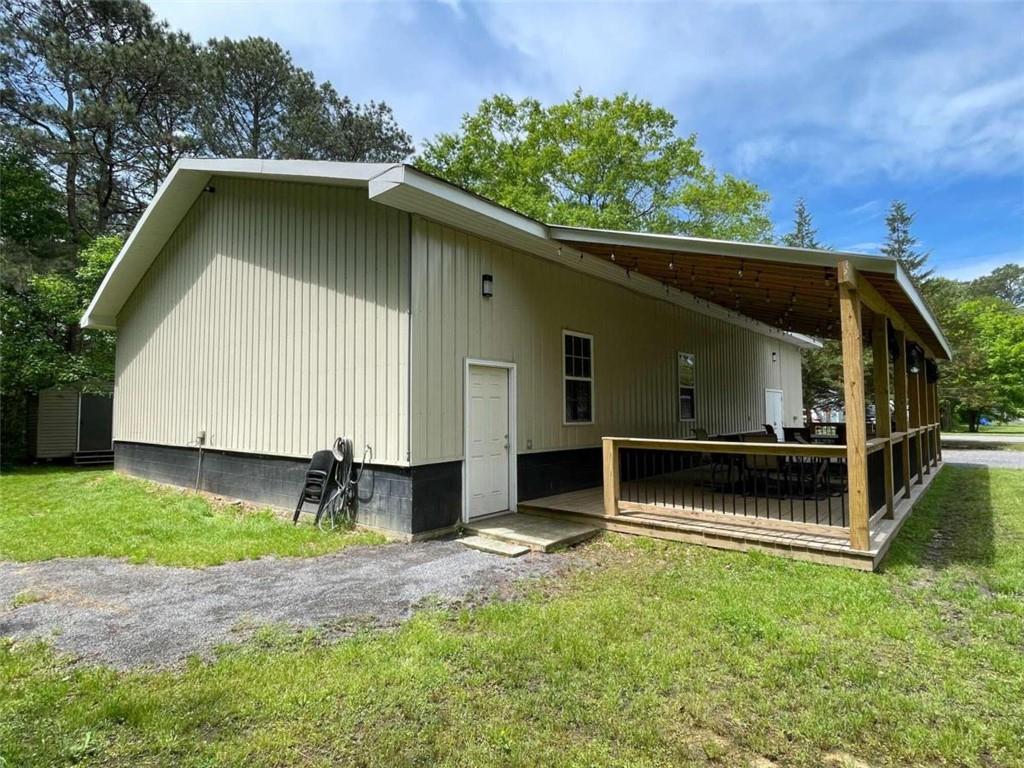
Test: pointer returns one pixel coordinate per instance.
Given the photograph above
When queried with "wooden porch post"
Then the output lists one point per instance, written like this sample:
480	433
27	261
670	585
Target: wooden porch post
938	422
922	388
853	391
915	421
926	393
883	423
611	476
933	401
899	371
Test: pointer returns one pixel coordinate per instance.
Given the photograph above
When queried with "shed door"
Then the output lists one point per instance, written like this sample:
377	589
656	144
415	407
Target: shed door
95	422
487	448
773	411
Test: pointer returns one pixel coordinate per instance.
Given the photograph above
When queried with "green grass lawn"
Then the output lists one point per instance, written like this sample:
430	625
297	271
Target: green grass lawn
994	429
655	654
64	512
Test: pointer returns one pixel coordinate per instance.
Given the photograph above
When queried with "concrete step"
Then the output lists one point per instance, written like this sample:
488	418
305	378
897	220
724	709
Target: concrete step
541	534
494	546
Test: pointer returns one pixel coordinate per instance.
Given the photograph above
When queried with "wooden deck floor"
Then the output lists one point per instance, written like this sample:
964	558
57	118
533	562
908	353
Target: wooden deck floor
822	544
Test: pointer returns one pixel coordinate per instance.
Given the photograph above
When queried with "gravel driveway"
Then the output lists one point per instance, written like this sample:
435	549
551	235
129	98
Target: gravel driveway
984	458
112	612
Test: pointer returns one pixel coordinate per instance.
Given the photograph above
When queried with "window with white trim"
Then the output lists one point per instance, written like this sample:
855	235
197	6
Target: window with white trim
578	377
687	387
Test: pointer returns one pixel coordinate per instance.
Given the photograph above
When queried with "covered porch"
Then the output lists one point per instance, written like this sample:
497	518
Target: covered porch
835	493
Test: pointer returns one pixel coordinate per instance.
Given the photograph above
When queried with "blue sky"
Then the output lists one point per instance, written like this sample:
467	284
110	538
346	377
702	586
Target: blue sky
850	105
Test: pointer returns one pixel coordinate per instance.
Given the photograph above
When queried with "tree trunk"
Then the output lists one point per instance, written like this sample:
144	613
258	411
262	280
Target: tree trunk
972	421
71	171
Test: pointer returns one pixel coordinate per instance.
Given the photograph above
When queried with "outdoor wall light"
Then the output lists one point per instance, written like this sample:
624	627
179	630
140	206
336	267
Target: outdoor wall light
894	346
487	286
914	356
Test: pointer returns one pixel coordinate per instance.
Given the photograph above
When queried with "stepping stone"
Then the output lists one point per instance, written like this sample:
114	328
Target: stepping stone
493	546
542	534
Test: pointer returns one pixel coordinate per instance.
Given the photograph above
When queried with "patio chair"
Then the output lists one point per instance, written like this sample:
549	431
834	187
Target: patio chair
716	462
760	467
319	476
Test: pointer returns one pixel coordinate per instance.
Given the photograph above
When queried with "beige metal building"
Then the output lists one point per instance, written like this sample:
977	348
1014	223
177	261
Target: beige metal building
265	307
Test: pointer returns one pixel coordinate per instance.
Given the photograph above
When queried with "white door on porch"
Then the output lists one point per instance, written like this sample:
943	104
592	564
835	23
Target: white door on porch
487	448
773	411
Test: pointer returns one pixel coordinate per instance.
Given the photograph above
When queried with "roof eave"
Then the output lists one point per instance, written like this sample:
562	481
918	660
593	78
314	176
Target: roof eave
755	251
708	246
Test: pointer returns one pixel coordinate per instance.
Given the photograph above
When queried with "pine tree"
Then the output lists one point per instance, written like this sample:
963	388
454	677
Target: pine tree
822	369
804	235
901	244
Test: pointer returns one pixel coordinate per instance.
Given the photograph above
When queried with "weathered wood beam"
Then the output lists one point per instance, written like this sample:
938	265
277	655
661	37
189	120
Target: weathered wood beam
933	418
846	275
926	436
853	391
883	425
914	381
612	482
878	304
900	397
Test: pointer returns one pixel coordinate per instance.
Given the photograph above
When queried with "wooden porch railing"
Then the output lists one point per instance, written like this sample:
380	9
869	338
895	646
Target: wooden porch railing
793	484
787	486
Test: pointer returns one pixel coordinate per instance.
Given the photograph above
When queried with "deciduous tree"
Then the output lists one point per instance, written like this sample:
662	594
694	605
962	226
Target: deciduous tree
1005	282
986	375
610	163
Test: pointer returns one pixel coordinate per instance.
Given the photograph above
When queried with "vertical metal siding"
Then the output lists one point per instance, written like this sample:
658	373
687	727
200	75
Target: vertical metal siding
636	339
275	318
57	425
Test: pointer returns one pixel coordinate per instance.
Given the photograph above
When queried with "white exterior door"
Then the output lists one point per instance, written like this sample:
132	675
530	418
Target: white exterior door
773	411
487	441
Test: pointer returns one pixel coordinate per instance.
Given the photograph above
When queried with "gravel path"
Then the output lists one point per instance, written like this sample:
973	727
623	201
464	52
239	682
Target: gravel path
984	458
980	438
112	612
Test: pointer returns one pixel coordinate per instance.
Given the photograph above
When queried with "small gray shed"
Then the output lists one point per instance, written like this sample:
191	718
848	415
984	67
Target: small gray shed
69	423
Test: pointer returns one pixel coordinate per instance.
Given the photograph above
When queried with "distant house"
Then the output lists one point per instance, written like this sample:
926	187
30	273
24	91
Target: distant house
66	423
270	306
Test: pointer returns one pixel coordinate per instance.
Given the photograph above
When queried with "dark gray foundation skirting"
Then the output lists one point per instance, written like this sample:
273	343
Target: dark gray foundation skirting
409	501
551	472
403	500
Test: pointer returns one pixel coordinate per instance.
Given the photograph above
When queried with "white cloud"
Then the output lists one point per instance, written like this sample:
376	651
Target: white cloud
969	269
842	91
868	247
